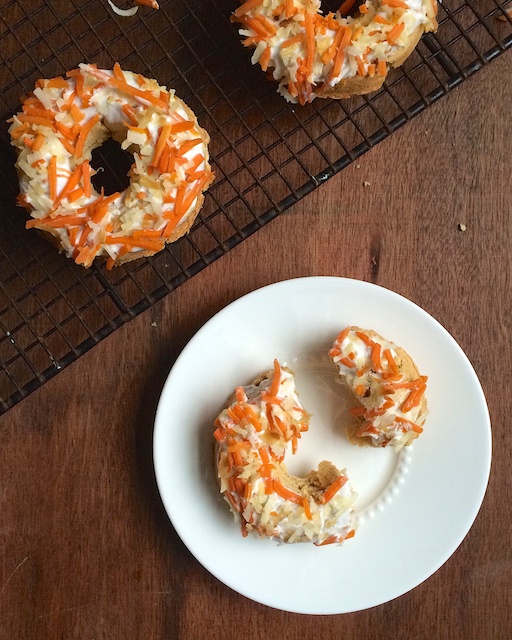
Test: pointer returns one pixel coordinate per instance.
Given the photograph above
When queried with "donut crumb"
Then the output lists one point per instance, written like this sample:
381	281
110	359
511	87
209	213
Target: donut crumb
462	226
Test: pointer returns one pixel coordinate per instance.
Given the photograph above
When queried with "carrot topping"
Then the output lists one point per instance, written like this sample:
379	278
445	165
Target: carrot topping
139	243
414	427
363	9
70	185
376	361
346	6
310	41
84	132
86	178
360	389
38	142
219	434
247	6
292	40
189	144
383	69
123	86
75	195
30	119
395	32
244	445
333	489
78	115
130	112
57	83
307	509
330	540
286	493
371	70
380	20
358	411
391	361
274	388
250	414
52	178
265	59
264	455
347	362
290	9
398	4
56	223
360	66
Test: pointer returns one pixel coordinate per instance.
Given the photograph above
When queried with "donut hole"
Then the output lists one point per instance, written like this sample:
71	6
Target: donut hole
112	165
331	6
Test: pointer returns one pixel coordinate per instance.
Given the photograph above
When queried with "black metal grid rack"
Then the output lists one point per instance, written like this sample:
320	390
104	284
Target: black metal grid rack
266	153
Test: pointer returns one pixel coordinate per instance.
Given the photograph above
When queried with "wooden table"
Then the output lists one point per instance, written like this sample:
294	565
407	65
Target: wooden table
87	550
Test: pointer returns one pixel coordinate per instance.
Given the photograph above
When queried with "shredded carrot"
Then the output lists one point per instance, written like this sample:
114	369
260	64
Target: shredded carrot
357	411
371	70
307	508
247	6
286	493
395	32
78	115
139	243
331	491
363	9
70	185
310	41
189	144
130	112
391	361
123	86
43	113
250	414
84	132
380	20
360	389
265	59
376	360
360	66
86	178
330	540
56	223
274	388
243	445
397	4
52	178
293	40
38	142
383	69
30	119
346	7
57	83
290	8
75	195
340	339
414	427
346	362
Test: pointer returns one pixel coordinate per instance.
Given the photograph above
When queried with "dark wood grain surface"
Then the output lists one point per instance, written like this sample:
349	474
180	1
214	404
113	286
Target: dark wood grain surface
86	548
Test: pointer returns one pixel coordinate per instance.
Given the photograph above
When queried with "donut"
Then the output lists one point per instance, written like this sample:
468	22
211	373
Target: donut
386	385
61	123
337	55
253	432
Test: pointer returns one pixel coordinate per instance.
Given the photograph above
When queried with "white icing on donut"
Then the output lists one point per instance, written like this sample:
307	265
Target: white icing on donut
392	409
309	53
253	434
55	133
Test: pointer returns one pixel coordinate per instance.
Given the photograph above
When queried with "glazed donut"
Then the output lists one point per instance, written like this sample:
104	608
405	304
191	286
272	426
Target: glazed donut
60	124
331	56
391	406
252	435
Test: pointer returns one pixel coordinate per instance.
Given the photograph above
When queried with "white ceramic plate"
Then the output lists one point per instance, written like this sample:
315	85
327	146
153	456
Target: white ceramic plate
414	507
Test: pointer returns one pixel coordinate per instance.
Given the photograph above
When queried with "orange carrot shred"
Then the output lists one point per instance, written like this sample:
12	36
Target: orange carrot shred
84	132
52	178
286	493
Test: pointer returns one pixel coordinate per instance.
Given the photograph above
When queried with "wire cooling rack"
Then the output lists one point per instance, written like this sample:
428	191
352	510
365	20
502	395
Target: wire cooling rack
266	154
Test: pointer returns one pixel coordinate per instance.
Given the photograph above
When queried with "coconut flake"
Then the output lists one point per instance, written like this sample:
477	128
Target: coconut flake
123	12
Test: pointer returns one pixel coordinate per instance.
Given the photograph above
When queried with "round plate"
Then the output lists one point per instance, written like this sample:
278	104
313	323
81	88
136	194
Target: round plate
414	507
